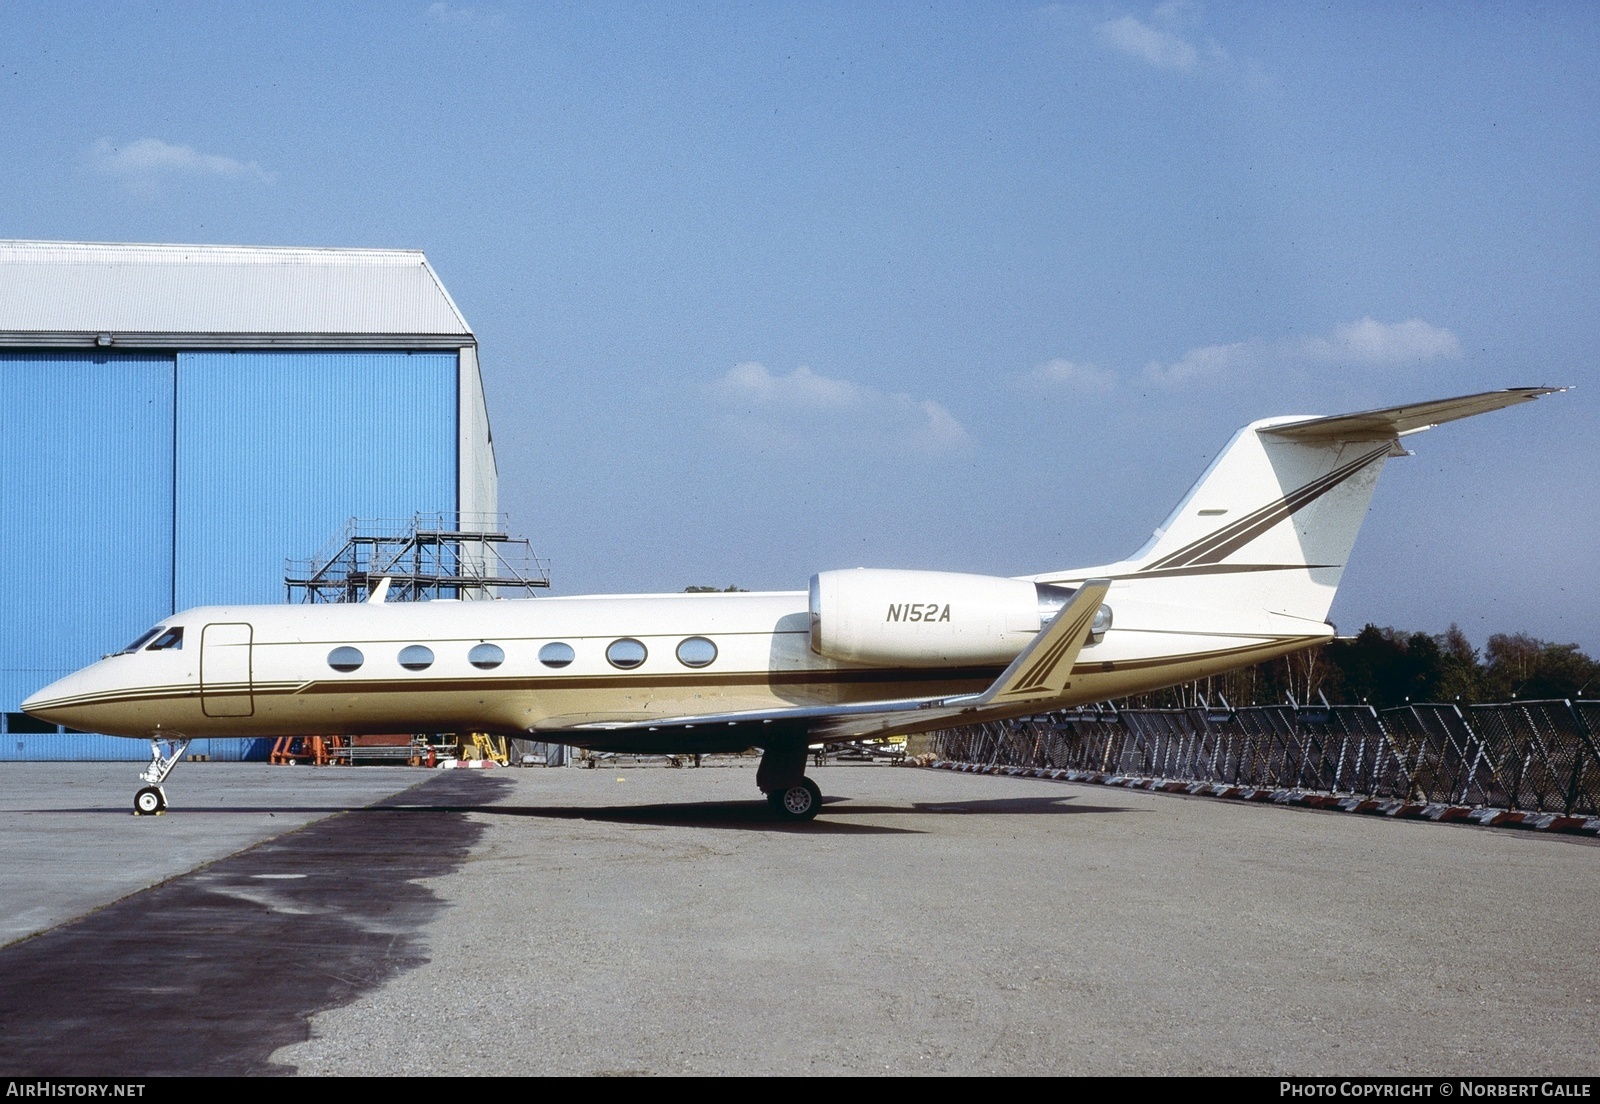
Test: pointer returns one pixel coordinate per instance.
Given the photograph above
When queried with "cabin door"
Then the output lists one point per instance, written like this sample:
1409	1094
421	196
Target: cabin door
225	689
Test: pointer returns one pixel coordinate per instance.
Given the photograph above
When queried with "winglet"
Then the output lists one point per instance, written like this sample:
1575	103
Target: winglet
380	593
1042	670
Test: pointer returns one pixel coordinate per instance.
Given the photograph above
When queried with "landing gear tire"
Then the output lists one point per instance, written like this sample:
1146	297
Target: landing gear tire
797	803
149	801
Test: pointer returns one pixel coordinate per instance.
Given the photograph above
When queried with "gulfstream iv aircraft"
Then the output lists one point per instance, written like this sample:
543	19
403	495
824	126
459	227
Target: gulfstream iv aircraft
1243	570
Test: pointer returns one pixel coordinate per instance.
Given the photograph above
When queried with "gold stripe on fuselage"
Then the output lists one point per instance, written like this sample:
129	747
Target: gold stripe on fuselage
554	703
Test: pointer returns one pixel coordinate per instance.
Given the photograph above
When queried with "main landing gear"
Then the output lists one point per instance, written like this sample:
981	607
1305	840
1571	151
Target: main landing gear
799	802
781	776
164	755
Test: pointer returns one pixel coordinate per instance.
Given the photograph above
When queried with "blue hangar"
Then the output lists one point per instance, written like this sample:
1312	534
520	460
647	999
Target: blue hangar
180	420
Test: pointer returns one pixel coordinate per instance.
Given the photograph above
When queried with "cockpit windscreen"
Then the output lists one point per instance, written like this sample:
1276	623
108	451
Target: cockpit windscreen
143	639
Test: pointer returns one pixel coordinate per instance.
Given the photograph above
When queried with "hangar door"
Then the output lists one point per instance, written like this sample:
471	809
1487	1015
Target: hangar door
277	450
85	509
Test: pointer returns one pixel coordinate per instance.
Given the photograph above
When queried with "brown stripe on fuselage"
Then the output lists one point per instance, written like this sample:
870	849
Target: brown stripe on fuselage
818	681
1276	644
628	682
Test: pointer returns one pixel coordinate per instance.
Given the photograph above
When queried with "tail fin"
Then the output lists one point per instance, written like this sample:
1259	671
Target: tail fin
1270	524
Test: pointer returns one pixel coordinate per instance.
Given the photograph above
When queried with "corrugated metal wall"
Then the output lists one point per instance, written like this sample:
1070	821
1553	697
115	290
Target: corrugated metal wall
134	485
277	450
85	509
87	748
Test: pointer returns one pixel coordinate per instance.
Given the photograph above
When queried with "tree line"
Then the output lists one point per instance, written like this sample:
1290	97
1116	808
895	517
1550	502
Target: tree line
1385	667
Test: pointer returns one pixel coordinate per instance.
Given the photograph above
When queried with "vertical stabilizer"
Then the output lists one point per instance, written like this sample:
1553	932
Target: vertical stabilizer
1270	525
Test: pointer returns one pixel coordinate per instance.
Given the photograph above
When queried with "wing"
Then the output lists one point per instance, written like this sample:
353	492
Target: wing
1035	679
1040	672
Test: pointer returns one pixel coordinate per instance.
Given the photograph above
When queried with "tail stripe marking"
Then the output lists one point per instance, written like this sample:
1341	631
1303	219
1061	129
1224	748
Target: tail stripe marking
1214	547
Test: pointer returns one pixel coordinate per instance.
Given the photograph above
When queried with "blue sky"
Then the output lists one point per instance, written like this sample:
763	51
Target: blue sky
763	290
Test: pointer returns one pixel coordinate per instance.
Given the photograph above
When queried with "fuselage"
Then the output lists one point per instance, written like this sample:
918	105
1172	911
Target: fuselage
559	666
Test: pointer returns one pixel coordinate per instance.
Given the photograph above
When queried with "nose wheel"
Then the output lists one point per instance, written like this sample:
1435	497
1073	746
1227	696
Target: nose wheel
797	803
164	755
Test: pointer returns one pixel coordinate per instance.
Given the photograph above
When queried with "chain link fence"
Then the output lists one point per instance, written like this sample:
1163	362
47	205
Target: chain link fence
1537	756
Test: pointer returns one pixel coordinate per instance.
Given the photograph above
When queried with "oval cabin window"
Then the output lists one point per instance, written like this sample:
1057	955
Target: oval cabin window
626	653
697	651
415	657
556	654
345	659
486	657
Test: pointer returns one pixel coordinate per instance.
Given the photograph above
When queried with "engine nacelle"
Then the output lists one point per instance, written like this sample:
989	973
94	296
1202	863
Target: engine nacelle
926	618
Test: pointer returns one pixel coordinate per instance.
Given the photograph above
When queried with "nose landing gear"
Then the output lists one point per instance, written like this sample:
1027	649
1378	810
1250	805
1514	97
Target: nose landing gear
164	755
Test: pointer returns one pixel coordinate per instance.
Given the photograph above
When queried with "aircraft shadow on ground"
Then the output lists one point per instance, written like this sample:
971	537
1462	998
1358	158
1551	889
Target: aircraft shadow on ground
180	810
755	816
999	806
739	815
745	815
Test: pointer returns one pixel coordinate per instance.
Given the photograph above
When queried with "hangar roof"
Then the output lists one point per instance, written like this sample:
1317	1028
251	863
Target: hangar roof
186	296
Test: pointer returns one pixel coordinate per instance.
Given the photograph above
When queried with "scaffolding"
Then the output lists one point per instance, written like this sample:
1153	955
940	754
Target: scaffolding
425	557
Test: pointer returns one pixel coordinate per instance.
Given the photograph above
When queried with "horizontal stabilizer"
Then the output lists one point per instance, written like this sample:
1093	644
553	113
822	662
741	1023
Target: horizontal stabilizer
1394	421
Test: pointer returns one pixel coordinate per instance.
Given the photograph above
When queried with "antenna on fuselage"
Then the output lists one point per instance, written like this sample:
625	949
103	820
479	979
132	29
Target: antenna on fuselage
380	593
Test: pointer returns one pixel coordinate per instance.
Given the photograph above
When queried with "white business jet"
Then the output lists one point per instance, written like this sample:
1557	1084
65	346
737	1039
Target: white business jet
1242	571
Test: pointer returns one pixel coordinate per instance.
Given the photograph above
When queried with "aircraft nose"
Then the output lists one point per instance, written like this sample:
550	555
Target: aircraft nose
63	701
45	703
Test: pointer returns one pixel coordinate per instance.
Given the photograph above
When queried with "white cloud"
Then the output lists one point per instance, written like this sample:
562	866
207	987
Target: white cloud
1369	341
1163	41
144	164
1211	360
449	13
1080	377
939	428
1163	49
1365	343
807	407
801	389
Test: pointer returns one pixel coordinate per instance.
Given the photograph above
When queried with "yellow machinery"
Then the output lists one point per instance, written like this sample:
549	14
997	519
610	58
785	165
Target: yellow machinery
481	745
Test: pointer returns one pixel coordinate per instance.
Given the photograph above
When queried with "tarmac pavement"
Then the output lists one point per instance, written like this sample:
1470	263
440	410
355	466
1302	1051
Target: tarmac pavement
642	920
71	843
655	922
